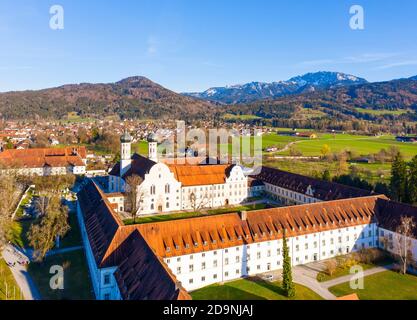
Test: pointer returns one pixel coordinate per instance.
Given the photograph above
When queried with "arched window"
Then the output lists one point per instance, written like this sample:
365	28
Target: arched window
167	188
153	189
152	206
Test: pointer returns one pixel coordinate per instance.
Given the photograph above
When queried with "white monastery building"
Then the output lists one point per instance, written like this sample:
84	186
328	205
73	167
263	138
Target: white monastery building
165	260
175	187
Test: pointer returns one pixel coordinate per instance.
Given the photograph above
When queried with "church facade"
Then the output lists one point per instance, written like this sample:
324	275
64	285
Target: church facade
174	187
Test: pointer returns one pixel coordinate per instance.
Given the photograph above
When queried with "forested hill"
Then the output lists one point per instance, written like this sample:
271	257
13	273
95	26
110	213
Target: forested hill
136	97
139	97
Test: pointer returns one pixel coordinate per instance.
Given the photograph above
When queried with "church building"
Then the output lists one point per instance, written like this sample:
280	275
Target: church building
174	187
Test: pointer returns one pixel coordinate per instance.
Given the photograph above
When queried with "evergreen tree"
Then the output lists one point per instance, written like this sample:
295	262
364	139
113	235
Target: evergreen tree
287	283
412	181
399	179
326	175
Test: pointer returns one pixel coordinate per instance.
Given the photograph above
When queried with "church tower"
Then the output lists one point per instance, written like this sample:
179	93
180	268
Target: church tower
125	155
152	147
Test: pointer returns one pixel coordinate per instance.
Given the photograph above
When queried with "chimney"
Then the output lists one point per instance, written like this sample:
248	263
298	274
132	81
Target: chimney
244	215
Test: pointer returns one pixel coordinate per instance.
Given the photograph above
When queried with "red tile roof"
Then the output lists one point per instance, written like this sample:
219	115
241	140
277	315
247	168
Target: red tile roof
196	175
188	236
38	158
140	273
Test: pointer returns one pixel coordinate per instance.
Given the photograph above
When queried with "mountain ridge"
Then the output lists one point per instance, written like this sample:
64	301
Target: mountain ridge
131	97
253	91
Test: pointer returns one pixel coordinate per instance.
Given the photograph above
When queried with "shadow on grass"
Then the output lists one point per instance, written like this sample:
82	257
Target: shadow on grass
272	286
224	292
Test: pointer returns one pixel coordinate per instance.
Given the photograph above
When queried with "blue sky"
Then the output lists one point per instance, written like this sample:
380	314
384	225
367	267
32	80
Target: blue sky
191	45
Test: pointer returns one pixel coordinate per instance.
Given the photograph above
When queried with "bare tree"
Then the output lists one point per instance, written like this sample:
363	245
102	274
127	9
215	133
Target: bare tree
196	203
134	195
8	199
403	242
53	224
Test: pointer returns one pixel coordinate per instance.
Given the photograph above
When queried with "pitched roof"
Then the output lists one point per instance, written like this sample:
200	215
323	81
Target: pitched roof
188	236
139	166
100	221
196	175
141	275
390	213
323	190
38	158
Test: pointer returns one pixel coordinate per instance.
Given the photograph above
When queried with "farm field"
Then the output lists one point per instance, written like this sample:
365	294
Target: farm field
362	145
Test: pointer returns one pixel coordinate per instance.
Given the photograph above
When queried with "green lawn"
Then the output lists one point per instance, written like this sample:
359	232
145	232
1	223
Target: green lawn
340	272
77	284
73	237
19	232
386	285
6	277
186	215
249	289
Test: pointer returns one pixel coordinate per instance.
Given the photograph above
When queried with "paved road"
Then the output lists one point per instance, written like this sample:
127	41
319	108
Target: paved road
22	277
307	277
29	252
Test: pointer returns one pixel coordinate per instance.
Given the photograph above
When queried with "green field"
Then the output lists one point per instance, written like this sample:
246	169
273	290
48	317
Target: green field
6	277
241	117
382	112
386	285
361	145
77	284
250	289
140	147
372	172
186	215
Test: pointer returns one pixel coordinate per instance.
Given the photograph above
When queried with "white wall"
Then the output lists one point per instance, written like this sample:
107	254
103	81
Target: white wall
202	269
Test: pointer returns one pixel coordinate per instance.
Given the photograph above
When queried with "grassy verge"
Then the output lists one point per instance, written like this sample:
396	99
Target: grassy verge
386	285
77	284
27	199
186	215
340	272
251	289
7	279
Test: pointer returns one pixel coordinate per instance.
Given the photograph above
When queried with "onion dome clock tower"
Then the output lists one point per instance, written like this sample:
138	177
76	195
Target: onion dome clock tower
125	155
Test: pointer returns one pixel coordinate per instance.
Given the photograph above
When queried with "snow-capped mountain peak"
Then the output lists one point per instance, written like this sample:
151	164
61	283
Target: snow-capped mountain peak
242	93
